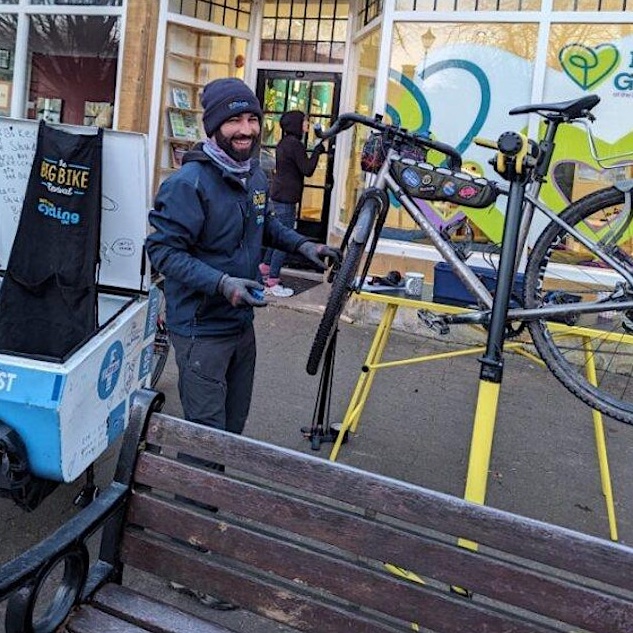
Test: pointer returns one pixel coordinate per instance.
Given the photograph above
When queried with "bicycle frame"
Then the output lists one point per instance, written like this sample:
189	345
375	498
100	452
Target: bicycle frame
523	200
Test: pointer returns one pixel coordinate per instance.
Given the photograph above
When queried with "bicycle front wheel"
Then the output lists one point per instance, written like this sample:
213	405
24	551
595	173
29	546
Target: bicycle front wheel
591	353
342	287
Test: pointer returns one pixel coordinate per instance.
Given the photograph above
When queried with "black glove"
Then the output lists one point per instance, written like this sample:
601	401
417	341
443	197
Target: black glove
319	148
240	292
316	253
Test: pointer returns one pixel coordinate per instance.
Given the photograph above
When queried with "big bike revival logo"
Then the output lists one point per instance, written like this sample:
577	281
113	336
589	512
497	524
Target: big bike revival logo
65	179
589	66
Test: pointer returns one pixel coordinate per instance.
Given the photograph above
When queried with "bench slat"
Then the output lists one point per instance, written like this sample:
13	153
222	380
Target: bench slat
361	585
288	604
534	540
87	619
501	580
134	607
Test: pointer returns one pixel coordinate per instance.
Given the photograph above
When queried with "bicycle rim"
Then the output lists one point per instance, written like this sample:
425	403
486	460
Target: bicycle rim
600	340
341	289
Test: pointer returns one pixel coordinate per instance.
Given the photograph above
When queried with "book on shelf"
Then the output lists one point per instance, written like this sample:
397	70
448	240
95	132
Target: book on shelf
192	128
181	98
178	150
177	122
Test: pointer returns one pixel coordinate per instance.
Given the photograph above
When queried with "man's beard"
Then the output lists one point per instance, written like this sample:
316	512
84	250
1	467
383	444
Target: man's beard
240	155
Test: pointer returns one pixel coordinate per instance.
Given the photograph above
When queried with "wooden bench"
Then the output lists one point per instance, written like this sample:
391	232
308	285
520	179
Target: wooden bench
304	542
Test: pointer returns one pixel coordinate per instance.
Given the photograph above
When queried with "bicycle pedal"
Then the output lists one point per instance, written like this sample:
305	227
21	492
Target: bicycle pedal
433	322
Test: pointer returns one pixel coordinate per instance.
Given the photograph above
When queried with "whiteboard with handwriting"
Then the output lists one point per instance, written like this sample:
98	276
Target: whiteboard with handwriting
125	196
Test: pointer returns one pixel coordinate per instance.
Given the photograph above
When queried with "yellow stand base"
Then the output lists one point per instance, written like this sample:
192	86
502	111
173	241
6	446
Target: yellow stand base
487	400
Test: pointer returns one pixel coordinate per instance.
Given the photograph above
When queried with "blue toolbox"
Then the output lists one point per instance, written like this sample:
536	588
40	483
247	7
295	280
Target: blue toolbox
448	288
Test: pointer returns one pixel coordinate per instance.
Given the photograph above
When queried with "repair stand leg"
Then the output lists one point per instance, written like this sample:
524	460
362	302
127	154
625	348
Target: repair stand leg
320	431
601	446
366	378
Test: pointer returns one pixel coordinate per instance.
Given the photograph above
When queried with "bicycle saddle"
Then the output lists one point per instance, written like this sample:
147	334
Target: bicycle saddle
573	109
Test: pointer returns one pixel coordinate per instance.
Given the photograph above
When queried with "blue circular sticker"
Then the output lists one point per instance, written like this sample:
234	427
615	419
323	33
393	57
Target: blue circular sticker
410	177
110	370
449	188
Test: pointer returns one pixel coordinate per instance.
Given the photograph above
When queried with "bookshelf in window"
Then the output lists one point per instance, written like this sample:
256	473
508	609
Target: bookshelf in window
192	58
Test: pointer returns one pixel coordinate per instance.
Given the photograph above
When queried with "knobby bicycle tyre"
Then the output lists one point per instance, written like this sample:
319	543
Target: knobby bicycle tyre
608	339
341	289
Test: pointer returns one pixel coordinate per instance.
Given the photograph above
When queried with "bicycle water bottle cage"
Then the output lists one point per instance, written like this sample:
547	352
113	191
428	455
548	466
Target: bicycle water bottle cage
423	180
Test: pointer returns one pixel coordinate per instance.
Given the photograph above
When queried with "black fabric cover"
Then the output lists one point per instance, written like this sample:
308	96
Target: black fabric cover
48	298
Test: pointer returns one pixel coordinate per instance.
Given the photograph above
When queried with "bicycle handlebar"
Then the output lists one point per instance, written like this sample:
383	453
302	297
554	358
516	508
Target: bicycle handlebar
349	119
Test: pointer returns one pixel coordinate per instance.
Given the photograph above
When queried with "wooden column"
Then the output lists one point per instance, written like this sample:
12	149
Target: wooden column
138	65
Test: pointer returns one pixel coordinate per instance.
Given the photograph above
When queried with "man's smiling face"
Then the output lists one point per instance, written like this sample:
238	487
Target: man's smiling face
238	136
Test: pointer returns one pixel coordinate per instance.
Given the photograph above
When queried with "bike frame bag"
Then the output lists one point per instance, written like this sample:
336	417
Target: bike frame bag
423	180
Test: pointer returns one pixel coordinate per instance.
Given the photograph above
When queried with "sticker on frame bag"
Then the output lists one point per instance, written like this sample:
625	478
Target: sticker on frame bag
423	180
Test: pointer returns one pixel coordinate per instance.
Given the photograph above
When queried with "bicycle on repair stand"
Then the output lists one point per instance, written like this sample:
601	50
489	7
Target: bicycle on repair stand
580	317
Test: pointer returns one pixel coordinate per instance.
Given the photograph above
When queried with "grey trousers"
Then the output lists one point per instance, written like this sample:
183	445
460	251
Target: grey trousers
215	378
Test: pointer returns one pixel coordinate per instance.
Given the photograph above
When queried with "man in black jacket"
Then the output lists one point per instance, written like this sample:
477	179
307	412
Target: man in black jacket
211	219
292	166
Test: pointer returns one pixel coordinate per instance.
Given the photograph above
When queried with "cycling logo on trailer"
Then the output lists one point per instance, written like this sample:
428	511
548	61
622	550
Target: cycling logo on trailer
110	370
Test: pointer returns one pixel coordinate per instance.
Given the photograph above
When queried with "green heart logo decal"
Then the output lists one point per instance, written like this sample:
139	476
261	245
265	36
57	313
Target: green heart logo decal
587	66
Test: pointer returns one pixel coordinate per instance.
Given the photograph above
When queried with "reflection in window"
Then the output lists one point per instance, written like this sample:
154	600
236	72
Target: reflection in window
73	68
470	5
83	3
8	27
593	5
297	31
369	10
368	51
234	14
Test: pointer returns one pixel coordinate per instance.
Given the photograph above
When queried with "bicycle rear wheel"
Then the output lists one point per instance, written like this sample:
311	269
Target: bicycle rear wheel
342	287
604	339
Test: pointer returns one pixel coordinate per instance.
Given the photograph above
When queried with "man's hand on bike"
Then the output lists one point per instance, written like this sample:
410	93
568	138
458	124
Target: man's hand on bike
318	253
242	292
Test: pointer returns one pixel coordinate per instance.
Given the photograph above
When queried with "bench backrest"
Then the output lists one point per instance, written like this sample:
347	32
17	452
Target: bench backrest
321	546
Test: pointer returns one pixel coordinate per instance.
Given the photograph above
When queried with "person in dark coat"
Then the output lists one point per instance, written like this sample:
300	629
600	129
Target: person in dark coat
211	219
292	165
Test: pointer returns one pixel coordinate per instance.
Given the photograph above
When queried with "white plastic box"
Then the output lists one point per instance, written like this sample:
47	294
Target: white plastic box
67	413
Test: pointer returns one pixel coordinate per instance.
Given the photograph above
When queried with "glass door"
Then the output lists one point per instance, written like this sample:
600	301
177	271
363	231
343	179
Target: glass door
316	94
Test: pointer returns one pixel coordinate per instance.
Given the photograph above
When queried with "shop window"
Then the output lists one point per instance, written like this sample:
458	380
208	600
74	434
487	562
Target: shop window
470	5
456	81
234	14
593	5
8	28
368	55
294	32
76	3
73	64
594	58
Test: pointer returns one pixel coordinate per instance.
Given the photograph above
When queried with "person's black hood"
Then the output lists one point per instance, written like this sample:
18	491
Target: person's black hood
292	123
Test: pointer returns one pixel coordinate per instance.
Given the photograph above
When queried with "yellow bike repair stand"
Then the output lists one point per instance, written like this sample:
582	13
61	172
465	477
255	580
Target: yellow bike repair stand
487	399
